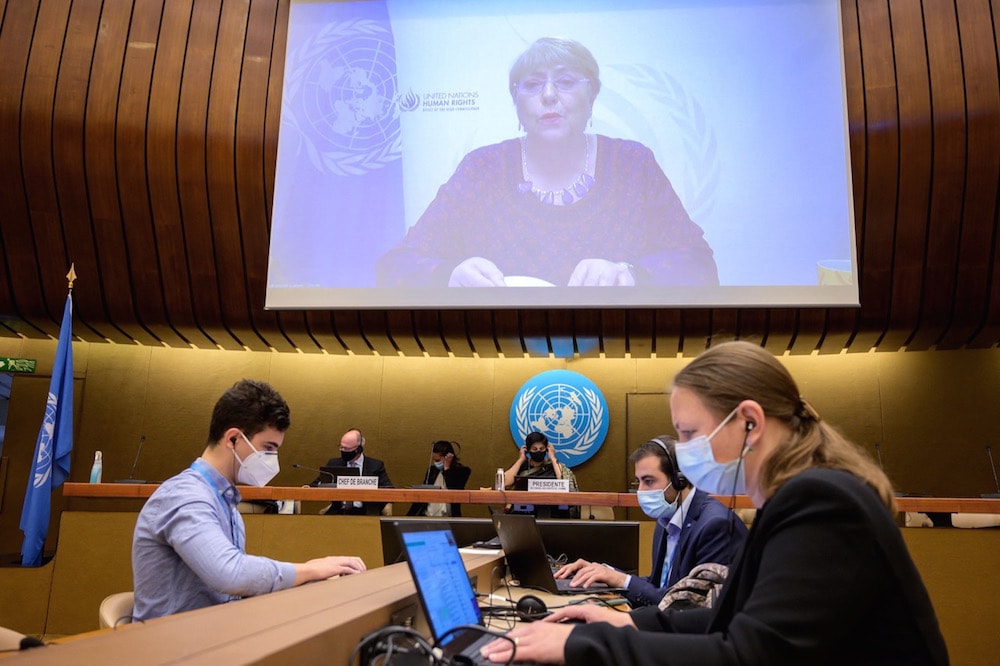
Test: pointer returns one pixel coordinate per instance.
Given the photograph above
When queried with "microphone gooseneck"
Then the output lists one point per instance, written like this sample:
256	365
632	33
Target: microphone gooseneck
313	469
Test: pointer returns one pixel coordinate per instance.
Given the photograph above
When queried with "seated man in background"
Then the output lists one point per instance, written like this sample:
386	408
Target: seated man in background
692	528
189	545
352	447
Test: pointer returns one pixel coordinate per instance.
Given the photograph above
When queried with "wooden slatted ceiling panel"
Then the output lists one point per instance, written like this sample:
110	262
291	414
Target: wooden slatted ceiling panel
944	221
913	190
23	304
162	169
982	99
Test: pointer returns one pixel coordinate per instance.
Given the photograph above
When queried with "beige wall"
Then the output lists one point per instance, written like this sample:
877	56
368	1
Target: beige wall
930	411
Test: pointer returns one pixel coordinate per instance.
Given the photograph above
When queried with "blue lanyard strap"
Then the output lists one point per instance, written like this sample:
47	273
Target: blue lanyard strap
227	508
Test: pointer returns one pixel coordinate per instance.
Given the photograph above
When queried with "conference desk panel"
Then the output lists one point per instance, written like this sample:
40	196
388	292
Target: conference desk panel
320	622
492	497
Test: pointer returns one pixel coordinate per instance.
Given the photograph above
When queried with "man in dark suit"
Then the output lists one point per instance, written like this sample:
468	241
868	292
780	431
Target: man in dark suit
352	447
692	528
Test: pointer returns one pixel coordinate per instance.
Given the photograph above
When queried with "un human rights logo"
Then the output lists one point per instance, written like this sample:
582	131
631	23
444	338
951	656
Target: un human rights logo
567	408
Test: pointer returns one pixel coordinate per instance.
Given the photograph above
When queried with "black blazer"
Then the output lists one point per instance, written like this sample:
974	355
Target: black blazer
824	578
455	478
369	467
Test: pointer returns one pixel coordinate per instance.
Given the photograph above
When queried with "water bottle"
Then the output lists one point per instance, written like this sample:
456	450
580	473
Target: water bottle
97	469
498	484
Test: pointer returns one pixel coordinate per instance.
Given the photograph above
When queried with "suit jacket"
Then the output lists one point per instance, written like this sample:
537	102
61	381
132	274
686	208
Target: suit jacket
710	533
455	478
824	578
369	467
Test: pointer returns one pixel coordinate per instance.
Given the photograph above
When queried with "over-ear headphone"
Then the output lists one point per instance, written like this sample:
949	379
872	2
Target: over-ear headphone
678	480
530	608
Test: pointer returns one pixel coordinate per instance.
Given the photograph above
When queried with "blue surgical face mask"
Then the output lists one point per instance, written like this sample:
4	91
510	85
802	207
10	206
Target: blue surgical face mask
698	464
439	464
655	505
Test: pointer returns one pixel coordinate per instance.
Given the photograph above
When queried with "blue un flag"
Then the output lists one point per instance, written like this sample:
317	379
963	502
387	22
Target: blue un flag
52	452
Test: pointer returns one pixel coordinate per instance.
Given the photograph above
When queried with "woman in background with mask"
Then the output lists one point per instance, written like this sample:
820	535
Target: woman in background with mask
824	576
445	471
537	459
692	528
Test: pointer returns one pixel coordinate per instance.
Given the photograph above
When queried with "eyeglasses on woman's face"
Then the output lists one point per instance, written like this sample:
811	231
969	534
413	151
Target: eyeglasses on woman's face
564	83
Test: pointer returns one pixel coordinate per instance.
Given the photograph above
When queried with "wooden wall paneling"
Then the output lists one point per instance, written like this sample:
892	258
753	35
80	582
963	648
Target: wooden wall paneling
667	332
231	251
915	151
347	326
192	175
250	153
560	336
162	172
839	331
455	334
36	152
146	280
479	327
780	331
982	186
292	324
375	328
639	324
400	326
323	331
535	333
587	333
68	159
810	327
100	161
882	175
945	219
507	332
725	324
696	332
16	238
613	333
752	324
427	326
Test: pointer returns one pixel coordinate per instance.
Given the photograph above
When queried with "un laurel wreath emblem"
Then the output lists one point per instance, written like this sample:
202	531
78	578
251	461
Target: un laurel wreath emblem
567	408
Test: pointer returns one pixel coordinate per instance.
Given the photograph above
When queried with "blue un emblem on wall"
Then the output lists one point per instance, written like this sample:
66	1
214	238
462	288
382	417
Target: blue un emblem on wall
567	408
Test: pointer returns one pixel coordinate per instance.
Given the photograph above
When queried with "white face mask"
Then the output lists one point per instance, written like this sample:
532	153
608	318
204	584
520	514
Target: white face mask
257	468
698	464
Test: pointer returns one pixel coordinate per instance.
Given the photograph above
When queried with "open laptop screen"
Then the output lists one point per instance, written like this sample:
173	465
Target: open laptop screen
442	582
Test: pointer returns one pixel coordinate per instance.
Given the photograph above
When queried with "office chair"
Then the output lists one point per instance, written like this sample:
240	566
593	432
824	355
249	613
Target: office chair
116	609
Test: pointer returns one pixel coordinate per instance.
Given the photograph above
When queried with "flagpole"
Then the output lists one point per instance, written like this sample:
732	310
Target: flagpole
53	450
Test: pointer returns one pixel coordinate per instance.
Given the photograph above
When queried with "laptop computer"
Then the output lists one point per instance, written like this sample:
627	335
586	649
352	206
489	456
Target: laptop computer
445	593
526	558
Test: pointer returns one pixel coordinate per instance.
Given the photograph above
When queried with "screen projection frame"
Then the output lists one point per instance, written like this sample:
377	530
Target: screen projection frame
768	178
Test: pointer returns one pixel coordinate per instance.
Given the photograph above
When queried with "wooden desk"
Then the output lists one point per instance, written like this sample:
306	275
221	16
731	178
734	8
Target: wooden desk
315	623
495	497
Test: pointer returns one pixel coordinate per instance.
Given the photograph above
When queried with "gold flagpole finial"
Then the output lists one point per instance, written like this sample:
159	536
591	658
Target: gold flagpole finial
71	276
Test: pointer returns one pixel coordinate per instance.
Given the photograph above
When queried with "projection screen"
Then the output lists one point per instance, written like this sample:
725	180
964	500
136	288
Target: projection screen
714	156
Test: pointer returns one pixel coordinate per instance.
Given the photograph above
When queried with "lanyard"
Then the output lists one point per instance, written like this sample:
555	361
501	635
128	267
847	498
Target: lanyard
227	509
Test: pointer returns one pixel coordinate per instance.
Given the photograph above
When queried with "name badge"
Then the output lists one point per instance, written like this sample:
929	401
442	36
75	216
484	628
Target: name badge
548	485
357	482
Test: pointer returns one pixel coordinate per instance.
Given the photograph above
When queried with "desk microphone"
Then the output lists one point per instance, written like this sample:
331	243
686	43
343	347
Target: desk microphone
332	484
996	495
131	473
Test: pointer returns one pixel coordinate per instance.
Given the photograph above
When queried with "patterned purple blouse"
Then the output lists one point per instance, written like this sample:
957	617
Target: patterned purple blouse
631	215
